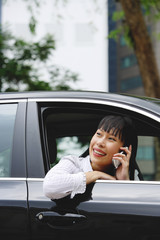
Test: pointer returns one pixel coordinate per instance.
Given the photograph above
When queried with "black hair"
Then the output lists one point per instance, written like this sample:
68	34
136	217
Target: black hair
123	127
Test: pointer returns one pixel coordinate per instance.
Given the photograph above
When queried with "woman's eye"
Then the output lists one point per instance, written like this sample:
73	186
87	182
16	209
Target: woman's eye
112	139
98	133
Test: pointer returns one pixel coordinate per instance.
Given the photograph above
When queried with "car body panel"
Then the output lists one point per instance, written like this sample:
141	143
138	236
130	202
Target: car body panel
146	103
18	168
35	164
14	209
107	205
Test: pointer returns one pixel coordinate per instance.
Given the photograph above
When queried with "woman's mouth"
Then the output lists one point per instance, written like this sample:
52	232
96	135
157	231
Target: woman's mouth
98	152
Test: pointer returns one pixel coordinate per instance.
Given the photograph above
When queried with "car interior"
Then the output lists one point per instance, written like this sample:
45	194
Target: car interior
68	130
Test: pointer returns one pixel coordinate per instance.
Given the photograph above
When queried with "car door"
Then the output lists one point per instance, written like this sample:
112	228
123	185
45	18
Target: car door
13	189
126	209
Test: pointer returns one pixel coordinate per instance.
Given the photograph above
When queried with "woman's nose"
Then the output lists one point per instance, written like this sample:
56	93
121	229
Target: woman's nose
101	142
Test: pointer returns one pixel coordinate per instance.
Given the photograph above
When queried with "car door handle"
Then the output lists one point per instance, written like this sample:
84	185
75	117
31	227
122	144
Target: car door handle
56	220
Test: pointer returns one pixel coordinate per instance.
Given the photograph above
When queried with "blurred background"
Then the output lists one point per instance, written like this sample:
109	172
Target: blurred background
77	45
98	45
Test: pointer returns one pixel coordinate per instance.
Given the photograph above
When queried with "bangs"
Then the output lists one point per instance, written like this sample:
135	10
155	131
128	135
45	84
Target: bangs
113	124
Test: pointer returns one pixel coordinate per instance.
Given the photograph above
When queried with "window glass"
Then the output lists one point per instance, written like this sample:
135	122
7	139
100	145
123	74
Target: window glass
148	157
128	61
7	120
122	41
131	83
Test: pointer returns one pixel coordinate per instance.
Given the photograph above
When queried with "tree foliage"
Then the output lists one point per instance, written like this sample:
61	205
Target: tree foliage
150	8
28	65
20	62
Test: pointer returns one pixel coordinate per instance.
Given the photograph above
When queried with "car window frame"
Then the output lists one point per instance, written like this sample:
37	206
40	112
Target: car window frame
131	108
18	168
18	160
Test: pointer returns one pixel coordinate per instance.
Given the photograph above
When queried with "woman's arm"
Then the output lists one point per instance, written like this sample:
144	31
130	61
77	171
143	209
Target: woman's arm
64	179
95	175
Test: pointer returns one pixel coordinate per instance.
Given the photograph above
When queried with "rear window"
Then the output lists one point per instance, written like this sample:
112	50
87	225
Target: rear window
7	121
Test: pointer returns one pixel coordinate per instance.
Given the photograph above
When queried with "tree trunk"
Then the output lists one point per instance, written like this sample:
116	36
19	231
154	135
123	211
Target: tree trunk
142	47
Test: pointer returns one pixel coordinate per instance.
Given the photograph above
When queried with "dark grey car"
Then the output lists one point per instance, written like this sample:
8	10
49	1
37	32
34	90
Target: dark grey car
36	129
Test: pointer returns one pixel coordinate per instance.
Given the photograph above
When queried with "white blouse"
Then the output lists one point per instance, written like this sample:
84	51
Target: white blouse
67	177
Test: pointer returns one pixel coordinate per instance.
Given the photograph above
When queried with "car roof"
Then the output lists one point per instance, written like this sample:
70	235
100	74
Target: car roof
144	102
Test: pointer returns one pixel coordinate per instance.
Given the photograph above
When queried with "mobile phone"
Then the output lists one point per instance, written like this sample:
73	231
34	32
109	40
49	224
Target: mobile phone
116	162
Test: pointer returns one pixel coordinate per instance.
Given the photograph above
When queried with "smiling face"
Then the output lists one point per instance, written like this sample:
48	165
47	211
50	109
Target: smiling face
103	146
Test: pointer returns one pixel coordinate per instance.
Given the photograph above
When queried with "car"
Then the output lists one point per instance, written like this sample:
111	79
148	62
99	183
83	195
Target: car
37	129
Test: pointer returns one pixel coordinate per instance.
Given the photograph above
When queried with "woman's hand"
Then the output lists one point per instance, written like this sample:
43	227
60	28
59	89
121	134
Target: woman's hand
122	172
95	175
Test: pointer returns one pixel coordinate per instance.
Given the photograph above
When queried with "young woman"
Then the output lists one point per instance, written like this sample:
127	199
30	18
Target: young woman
114	141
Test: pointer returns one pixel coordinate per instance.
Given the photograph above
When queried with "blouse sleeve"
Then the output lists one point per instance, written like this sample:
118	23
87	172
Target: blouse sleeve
64	179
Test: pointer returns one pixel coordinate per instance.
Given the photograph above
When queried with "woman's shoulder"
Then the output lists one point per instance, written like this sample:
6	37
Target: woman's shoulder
74	158
82	163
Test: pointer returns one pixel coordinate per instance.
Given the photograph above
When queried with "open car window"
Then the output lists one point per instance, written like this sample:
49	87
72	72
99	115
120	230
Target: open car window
148	156
68	131
71	145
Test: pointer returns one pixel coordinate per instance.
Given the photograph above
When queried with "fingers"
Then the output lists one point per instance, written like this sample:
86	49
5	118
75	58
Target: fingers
127	150
123	156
